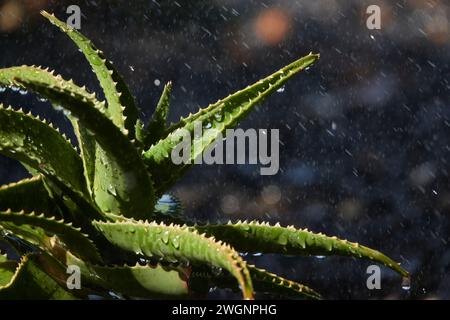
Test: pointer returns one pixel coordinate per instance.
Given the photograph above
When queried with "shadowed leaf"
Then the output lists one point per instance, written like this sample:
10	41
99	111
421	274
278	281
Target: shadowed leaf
145	281
28	194
263	282
29	281
72	237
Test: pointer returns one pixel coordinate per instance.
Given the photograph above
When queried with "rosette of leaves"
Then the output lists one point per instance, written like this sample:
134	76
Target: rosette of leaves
104	208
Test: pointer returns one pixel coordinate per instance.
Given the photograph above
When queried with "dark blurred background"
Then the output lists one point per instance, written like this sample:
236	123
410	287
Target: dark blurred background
365	132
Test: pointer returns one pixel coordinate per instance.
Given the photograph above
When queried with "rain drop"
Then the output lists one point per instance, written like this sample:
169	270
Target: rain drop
406	283
212	290
23	92
157	82
216	271
115	295
280	89
333	126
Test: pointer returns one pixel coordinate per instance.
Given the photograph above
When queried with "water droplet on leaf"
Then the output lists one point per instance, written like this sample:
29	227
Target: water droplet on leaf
112	190
165	237
176	242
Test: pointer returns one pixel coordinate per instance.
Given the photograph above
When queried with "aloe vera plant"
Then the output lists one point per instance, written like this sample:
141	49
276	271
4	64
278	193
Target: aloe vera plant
105	208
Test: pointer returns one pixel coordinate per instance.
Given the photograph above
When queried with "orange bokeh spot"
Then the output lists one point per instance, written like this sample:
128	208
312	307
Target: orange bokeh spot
11	14
271	26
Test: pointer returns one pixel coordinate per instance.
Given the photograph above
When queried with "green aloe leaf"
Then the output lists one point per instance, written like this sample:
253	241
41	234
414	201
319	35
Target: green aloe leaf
9	77
215	119
29	281
28	194
121	106
72	237
177	243
86	141
104	175
40	146
157	126
258	237
131	186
